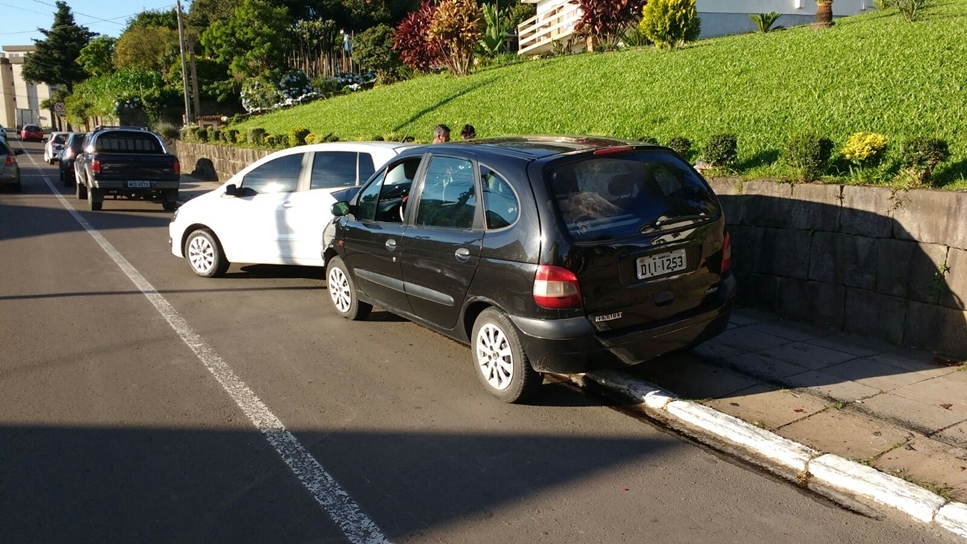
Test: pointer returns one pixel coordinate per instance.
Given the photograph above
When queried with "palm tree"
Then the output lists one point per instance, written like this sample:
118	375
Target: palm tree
824	13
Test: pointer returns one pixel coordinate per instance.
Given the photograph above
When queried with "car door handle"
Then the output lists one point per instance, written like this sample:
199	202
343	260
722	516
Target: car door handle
287	205
462	254
391	244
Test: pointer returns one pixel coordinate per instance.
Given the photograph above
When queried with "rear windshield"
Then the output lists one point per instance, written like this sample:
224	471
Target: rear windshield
624	194
128	142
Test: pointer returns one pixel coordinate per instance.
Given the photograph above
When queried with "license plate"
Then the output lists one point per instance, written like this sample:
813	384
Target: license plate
657	265
139	184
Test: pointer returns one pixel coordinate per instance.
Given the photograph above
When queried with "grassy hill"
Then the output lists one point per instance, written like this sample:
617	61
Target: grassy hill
871	72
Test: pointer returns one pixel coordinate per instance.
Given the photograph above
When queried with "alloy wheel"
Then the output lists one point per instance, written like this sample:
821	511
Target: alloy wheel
201	254
495	356
339	290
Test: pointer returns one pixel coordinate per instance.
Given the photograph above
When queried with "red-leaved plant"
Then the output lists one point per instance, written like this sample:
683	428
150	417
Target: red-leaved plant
412	39
603	20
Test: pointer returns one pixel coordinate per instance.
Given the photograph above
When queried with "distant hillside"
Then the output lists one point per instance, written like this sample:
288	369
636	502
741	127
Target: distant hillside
872	72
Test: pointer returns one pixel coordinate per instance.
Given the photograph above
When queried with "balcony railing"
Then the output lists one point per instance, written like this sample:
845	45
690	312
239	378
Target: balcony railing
538	34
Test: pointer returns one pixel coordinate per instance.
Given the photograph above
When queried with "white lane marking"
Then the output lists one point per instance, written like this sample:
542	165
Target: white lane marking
350	518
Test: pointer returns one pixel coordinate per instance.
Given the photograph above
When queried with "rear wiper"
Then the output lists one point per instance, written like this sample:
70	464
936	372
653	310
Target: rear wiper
663	221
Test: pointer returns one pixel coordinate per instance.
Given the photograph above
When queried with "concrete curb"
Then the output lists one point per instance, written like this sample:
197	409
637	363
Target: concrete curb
781	455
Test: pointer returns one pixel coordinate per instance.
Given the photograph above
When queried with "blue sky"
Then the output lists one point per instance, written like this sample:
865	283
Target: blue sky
24	17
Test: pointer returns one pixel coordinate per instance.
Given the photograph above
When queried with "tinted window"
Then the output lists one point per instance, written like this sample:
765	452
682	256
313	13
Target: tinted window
366	166
58	139
500	202
384	199
75	141
279	175
368	198
128	142
449	194
621	195
333	169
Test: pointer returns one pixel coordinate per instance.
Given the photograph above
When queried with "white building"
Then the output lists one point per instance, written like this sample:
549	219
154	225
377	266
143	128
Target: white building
20	100
555	19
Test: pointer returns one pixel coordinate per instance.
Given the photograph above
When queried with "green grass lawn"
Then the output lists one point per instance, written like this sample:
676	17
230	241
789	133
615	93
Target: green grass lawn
872	72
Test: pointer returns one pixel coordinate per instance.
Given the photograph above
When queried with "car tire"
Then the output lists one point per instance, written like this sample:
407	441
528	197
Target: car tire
80	190
169	200
17	187
499	360
204	254
94	199
342	292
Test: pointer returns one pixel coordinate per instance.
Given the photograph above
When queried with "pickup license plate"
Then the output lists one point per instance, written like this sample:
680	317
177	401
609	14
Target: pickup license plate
139	184
664	263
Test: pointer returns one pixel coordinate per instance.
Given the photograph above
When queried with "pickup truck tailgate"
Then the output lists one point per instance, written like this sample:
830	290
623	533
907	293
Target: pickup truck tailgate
121	166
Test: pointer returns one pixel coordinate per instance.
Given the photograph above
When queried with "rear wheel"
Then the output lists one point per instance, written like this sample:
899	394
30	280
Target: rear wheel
342	290
499	360
169	200
17	187
95	199
80	190
205	255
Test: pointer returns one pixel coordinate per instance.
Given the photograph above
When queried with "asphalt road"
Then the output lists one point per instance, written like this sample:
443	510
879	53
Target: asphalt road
127	417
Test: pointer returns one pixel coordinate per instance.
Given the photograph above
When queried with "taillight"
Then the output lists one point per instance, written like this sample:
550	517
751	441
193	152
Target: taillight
96	166
556	288
726	253
177	168
11	160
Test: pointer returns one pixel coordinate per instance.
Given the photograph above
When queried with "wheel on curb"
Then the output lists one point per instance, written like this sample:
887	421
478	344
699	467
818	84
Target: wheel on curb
205	255
499	360
80	190
342	291
95	199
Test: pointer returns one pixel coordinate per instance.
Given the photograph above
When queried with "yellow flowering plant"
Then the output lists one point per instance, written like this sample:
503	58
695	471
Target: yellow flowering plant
865	148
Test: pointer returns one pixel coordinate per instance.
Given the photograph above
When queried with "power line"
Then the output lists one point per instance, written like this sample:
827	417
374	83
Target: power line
112	20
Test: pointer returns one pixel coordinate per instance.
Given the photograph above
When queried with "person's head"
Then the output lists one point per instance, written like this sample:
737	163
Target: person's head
468	132
441	133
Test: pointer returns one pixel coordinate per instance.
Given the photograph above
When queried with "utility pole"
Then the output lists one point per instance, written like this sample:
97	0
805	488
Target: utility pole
195	92
184	69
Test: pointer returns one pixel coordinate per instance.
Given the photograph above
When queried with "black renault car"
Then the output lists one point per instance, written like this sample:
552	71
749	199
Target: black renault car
545	254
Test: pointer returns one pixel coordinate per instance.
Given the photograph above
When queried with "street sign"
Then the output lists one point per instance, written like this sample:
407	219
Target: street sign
59	108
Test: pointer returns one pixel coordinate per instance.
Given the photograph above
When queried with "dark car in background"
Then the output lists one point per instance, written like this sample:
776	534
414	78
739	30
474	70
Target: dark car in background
72	147
545	254
30	133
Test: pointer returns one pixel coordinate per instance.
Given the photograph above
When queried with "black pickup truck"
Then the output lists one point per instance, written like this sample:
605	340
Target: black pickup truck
126	162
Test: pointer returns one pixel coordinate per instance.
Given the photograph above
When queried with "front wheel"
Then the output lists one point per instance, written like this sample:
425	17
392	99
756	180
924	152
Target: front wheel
499	360
342	290
205	254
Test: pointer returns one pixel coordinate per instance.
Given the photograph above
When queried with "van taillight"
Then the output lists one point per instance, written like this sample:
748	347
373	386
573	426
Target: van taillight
726	253
96	166
556	288
177	168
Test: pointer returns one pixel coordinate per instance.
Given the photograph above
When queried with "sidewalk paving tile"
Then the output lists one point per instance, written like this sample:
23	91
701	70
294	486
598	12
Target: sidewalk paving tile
763	366
950	394
766	405
831	386
748	316
922	362
790	330
694	380
956	435
671	362
808	355
870	371
926	461
847	343
746	339
847	434
927	417
716	350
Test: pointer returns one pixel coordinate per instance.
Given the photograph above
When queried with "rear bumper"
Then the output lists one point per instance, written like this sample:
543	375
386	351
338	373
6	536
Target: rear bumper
572	346
122	185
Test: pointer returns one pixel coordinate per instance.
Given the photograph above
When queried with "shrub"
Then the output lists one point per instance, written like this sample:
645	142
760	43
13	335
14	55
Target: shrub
721	150
457	26
215	136
373	49
240	138
604	20
921	155
647	139
865	148
311	138
882	4
297	136
681	145
260	94
668	23
764	21
909	8
231	135
167	131
193	133
296	88
256	135
203	134
411	39
328	138
809	154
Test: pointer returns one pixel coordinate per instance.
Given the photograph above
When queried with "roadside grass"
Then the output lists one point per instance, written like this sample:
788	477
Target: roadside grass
871	72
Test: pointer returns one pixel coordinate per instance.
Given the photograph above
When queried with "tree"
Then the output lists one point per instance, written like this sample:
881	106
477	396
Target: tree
97	58
668	23
411	39
602	21
166	19
457	26
152	48
374	50
55	60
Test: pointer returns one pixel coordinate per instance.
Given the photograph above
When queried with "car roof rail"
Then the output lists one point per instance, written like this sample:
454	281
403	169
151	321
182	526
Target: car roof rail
105	127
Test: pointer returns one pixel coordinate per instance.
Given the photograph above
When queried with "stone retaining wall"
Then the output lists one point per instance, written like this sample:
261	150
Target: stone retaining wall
866	260
860	259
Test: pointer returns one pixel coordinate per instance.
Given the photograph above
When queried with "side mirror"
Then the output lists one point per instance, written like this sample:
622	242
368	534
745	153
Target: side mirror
18	151
231	190
340	209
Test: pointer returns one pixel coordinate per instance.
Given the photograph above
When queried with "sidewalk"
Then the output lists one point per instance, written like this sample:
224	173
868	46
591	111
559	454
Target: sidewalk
803	392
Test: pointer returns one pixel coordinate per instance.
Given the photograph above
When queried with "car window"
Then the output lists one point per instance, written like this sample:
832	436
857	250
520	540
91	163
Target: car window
333	169
366	166
501	207
128	142
383	198
279	175
621	195
449	195
58	139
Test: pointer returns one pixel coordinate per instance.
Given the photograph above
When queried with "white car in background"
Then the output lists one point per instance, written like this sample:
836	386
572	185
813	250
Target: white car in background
273	211
55	146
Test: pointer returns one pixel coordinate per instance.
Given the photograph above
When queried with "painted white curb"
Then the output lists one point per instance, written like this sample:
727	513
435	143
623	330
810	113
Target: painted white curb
953	517
865	481
653	396
768	444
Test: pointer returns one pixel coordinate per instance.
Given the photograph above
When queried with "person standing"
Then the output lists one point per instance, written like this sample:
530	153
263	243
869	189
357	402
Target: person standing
441	134
468	132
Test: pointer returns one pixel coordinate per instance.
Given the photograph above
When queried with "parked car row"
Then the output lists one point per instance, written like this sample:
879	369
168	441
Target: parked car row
545	254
